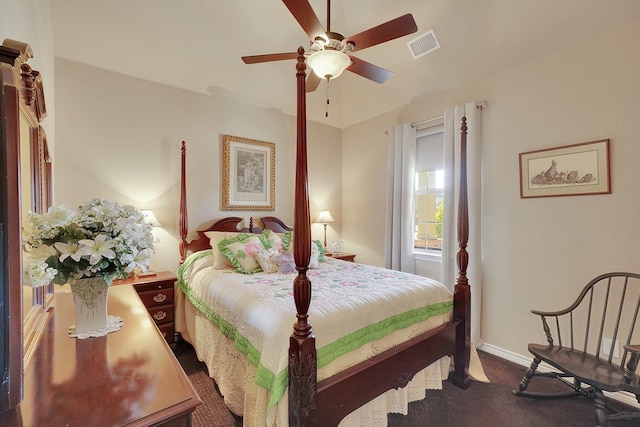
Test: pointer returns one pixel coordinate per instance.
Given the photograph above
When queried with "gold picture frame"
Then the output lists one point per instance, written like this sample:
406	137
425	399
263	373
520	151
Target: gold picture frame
248	174
569	170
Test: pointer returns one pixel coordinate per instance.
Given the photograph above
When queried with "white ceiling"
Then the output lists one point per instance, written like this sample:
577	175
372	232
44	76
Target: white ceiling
197	44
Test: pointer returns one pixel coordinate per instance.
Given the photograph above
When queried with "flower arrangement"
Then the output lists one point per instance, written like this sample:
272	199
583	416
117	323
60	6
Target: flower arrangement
102	238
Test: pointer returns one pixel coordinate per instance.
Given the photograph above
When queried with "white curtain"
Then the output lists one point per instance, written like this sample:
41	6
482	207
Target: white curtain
449	268
398	253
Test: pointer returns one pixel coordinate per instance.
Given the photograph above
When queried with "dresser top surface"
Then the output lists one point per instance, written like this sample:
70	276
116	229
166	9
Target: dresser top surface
128	377
160	276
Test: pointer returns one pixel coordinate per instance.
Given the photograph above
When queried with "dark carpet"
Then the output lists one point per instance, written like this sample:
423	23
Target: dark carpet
480	405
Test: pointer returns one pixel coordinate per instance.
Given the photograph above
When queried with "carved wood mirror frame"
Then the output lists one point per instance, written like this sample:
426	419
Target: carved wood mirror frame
27	167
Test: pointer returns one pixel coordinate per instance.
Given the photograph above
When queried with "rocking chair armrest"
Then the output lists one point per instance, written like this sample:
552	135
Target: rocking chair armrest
632	364
633	349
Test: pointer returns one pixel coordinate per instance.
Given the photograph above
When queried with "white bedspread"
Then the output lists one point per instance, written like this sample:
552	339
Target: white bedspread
356	311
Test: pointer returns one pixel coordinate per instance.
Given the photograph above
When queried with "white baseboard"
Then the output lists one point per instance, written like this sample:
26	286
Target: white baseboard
511	356
622	396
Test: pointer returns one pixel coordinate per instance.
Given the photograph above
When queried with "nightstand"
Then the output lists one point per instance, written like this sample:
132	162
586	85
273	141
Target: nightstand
343	256
156	293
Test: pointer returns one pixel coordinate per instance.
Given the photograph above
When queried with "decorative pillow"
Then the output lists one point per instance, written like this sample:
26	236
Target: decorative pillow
315	245
280	241
219	260
267	260
241	251
287	240
320	249
272	240
314	261
286	263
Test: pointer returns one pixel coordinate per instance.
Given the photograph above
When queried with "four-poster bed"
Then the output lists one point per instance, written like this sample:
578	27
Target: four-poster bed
314	399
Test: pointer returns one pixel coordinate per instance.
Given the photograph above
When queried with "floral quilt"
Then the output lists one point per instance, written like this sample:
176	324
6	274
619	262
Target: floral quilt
352	305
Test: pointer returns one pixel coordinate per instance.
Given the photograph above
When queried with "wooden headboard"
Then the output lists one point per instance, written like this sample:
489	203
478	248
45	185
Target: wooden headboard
232	224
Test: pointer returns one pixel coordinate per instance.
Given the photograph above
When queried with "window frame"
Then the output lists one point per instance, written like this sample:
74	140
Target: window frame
427	254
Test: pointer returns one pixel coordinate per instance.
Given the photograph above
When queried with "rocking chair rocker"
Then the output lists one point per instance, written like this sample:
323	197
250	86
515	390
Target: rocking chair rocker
589	363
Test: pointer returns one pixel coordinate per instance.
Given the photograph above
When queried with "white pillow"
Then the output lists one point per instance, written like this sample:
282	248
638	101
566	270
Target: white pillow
219	260
314	259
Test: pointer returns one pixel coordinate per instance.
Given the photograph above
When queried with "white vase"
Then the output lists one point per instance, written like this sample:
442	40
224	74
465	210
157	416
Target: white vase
90	300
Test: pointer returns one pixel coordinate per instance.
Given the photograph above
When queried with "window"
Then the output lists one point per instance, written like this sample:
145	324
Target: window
429	190
428	204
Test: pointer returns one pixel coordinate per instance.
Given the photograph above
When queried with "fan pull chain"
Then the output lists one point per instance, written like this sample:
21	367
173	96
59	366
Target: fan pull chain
326	107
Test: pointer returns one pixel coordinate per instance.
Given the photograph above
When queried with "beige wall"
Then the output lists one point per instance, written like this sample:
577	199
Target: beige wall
537	253
120	137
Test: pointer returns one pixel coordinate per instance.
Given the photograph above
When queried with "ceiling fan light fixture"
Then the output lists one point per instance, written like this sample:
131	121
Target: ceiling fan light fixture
328	63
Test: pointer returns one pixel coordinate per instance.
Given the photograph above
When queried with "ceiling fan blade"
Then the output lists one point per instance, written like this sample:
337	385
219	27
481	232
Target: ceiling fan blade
254	59
306	17
390	30
368	70
312	81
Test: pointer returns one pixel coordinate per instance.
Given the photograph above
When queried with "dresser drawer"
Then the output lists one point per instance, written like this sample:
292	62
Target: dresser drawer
160	284
156	293
162	314
168	331
156	297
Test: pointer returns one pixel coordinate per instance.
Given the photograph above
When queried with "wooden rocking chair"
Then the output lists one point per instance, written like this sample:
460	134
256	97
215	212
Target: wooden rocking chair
589	362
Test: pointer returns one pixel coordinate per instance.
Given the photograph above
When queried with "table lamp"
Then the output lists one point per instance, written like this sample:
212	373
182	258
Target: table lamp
149	217
325	218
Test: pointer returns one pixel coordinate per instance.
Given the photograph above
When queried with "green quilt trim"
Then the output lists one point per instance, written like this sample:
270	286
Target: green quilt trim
277	384
264	377
356	339
190	260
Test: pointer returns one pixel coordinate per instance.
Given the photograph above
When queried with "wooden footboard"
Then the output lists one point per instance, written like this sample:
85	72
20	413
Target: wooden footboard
343	393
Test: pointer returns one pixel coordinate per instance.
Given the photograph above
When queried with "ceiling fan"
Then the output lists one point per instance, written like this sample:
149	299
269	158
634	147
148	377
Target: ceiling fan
330	52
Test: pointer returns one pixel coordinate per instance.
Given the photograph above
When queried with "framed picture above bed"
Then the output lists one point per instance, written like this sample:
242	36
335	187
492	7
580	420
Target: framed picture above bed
248	174
566	171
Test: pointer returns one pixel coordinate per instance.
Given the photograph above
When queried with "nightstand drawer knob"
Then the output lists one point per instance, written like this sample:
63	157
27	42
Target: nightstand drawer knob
160	315
160	297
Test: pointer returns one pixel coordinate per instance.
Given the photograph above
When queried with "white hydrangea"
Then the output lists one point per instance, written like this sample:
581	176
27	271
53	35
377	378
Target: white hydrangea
102	238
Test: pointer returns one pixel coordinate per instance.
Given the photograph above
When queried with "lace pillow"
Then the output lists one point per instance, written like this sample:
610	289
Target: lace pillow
267	259
241	250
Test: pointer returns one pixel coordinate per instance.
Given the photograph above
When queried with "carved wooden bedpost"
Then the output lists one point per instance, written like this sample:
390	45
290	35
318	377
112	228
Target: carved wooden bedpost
462	292
302	345
183	203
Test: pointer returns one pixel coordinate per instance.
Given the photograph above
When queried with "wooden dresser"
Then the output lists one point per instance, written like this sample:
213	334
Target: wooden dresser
156	293
129	377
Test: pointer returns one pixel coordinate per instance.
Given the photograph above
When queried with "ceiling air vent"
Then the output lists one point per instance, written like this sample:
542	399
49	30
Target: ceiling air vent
423	44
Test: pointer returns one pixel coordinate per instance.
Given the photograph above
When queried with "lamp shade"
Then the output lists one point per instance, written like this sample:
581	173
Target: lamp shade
328	63
325	217
149	217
